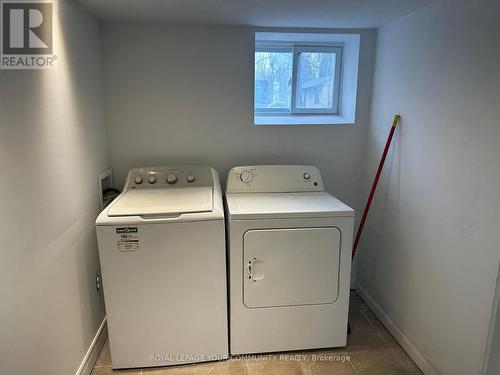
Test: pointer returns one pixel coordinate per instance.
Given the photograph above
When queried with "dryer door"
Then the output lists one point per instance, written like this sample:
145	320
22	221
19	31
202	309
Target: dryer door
291	267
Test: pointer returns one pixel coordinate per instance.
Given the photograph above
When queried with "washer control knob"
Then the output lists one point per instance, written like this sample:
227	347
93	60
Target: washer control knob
306	176
246	177
152	179
138	180
171	179
190	178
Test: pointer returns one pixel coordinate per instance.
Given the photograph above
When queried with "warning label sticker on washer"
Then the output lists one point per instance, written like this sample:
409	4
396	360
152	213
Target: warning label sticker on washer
128	239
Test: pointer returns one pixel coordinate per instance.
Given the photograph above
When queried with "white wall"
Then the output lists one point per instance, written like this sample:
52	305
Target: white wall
430	254
52	146
184	94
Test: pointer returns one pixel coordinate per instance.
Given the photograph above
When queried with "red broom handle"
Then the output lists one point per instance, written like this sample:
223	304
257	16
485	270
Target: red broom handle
375	183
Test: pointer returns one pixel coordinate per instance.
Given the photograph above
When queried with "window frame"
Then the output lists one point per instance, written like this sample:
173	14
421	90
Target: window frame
337	50
272	47
297	48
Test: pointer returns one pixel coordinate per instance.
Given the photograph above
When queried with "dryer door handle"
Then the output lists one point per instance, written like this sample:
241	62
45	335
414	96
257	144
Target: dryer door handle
251	269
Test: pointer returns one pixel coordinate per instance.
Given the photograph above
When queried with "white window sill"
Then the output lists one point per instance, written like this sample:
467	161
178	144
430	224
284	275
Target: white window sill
303	120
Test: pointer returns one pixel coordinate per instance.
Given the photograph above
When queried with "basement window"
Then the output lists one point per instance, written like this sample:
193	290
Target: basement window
304	79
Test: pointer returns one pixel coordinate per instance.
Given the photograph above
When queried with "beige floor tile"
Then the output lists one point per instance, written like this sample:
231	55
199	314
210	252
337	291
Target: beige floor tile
366	329
229	367
377	325
170	370
380	362
371	350
363	333
274	367
104	358
358	307
363	308
405	359
319	353
333	362
354	299
109	371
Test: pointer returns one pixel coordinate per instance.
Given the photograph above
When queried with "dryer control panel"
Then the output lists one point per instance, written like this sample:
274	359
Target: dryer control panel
274	179
167	177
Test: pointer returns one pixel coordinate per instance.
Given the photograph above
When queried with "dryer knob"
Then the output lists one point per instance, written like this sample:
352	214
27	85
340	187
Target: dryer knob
152	179
171	179
190	178
138	180
306	176
246	177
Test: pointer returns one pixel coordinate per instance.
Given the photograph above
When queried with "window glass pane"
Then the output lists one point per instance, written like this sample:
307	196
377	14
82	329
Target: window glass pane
273	80
315	80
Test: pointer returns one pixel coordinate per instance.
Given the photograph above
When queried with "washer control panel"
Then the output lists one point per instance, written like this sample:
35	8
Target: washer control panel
166	177
274	179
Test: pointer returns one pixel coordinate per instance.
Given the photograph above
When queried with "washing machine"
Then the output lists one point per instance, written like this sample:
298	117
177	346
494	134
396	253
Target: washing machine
163	263
289	250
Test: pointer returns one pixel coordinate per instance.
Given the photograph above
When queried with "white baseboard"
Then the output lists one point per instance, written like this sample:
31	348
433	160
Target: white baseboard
405	343
95	348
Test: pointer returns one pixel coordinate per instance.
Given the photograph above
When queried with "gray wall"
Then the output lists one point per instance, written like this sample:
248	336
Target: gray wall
52	146
184	94
429	257
493	348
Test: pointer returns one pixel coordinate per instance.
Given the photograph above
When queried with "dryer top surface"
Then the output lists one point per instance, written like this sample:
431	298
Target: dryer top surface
285	205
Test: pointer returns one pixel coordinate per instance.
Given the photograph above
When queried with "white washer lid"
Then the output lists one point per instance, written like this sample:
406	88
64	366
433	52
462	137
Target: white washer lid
158	202
285	205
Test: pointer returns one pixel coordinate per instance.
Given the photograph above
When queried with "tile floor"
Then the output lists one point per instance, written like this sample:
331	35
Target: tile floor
370	350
